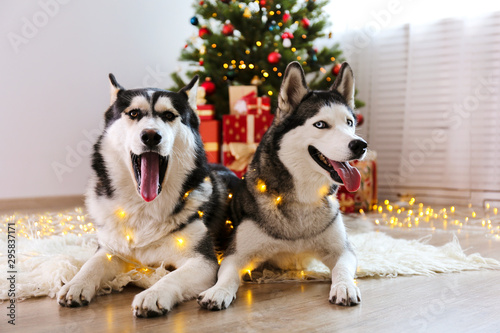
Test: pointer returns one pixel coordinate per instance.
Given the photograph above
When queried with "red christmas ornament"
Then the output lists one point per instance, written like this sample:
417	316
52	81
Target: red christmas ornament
359	119
262	3
209	86
286	17
336	69
202	2
274	57
228	29
201	62
306	23
204	32
286	35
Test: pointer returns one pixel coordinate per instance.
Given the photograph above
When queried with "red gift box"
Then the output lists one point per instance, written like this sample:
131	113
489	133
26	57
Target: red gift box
206	111
251	104
210	134
241	135
366	196
235	95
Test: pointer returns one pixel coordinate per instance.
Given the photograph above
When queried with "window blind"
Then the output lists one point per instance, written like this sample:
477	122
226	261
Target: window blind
433	108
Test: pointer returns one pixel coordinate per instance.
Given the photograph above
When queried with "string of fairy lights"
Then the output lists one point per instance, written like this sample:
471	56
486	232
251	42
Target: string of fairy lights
408	215
413	215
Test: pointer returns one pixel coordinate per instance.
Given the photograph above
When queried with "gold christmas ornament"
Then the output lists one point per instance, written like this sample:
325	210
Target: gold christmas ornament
247	13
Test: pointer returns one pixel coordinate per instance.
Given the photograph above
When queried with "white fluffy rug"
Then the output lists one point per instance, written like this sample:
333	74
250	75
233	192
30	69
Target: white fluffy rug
43	264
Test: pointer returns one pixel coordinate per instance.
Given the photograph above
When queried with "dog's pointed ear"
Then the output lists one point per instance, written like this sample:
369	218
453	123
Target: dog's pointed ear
344	84
293	89
114	88
190	90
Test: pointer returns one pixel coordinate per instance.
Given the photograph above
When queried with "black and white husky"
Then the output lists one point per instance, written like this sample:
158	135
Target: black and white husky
286	206
154	199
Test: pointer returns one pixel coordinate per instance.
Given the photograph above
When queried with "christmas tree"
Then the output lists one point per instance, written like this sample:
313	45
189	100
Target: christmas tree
252	42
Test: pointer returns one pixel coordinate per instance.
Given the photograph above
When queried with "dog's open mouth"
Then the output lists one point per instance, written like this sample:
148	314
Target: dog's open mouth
341	172
149	170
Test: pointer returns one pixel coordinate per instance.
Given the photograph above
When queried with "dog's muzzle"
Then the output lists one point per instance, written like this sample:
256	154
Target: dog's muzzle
340	172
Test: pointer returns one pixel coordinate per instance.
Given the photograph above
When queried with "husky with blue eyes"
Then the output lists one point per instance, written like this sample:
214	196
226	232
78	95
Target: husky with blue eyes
154	199
286	207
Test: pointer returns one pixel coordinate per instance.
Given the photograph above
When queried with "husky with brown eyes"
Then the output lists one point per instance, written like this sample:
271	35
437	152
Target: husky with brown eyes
153	198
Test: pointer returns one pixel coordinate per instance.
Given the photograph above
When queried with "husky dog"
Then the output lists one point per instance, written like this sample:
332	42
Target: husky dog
154	199
286	207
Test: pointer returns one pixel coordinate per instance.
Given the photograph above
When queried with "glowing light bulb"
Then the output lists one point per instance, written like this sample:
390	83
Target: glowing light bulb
109	256
278	200
261	186
200	214
230	195
180	240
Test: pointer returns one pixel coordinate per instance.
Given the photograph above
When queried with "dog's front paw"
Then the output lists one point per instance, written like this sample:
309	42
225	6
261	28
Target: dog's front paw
75	294
216	299
345	293
152	303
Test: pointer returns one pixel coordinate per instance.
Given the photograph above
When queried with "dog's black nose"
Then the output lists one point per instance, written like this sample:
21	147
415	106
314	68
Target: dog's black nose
358	147
150	138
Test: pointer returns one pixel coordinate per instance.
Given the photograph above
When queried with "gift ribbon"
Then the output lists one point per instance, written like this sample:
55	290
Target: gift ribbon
211	146
243	151
243	154
205	112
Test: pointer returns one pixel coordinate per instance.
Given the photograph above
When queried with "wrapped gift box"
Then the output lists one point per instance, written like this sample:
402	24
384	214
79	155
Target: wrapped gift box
210	134
241	135
251	104
206	111
366	196
236	93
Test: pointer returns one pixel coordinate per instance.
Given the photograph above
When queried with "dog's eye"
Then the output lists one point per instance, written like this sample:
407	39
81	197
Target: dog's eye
133	114
350	123
169	116
321	124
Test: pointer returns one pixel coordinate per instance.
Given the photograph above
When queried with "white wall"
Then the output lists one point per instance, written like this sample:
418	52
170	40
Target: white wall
54	87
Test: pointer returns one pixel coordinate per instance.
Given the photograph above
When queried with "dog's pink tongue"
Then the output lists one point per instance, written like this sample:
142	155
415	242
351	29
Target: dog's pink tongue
150	176
350	175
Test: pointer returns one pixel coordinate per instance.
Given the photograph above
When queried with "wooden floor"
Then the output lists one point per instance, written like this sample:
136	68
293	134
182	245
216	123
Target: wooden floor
463	302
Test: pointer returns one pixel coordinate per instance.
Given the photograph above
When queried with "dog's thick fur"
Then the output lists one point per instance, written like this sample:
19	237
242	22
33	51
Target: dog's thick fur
286	205
154	199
